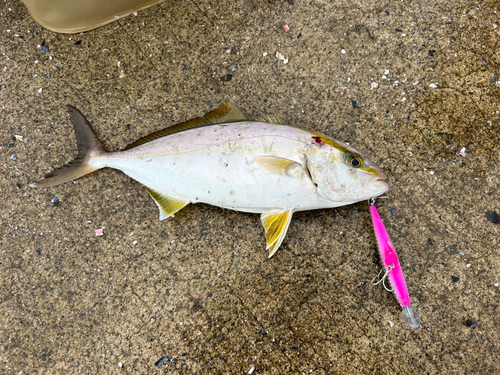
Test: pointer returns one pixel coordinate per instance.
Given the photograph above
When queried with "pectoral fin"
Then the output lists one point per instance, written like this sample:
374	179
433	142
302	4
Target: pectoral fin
276	224
276	165
168	206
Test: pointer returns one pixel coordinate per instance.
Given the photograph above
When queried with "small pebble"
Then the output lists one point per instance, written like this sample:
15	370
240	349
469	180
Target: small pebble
493	217
54	201
37	252
393	212
494	79
470	323
120	365
355	105
78	43
99	232
160	362
44	47
432	85
343	51
454	279
251	370
286	28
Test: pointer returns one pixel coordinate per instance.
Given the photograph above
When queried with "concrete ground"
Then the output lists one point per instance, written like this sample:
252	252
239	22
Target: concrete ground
198	289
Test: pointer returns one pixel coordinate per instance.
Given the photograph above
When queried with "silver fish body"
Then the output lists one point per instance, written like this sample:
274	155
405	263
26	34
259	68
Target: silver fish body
225	160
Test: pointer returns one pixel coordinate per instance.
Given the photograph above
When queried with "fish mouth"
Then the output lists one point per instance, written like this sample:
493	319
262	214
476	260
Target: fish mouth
380	177
379	183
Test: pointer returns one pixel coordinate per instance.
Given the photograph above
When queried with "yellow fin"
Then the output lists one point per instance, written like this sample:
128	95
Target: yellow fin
276	165
168	206
276	224
271	119
226	112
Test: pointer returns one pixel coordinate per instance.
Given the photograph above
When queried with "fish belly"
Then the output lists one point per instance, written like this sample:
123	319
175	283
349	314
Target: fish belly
220	170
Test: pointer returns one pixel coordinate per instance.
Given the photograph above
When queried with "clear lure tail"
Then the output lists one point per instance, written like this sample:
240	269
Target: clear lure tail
393	270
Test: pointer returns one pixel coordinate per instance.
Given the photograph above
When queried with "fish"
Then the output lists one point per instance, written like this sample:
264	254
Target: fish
393	270
223	159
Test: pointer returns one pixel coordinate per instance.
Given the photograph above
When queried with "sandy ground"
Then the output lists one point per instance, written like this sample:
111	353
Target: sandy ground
198	289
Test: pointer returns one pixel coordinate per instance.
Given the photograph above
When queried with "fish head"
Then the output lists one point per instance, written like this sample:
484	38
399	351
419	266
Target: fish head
343	174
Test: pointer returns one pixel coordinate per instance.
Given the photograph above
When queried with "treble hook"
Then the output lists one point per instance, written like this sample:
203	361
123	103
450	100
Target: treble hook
371	201
382	280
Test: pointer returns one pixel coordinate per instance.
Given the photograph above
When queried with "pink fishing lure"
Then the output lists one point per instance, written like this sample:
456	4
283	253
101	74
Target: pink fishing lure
393	269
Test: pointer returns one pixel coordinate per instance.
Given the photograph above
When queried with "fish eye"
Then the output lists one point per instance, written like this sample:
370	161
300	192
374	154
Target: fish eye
354	161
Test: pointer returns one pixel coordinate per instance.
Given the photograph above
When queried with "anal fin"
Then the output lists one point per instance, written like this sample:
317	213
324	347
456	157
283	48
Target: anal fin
276	224
168	206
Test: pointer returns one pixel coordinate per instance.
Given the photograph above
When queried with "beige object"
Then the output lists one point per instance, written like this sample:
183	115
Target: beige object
69	17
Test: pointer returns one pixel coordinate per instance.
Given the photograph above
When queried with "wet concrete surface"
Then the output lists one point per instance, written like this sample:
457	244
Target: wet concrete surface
198	289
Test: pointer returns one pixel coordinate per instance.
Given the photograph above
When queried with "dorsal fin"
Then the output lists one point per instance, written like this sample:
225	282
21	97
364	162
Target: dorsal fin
270	118
226	112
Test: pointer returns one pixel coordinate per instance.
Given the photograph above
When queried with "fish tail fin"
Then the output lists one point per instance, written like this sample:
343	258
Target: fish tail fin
89	146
